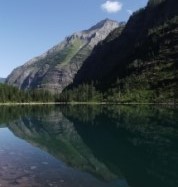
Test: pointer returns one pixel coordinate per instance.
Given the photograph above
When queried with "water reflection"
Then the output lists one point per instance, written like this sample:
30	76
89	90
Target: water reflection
120	146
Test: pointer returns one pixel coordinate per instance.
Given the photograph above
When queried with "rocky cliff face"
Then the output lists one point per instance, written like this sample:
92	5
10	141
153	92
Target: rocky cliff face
55	69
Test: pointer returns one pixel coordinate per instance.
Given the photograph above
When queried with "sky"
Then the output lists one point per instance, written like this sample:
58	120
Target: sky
28	28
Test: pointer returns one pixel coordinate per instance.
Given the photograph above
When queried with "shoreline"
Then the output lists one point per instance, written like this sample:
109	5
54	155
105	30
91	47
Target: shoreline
84	103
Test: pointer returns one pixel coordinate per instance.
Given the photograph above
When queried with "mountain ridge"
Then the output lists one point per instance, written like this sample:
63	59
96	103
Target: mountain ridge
135	30
55	69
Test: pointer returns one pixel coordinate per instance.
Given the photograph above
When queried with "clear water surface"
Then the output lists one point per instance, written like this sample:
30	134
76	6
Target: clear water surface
88	146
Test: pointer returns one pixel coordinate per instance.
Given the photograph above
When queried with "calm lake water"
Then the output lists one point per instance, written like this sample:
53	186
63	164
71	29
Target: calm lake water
88	146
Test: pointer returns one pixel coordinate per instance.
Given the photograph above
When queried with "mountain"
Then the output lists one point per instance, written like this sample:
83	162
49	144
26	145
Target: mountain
2	80
55	69
140	64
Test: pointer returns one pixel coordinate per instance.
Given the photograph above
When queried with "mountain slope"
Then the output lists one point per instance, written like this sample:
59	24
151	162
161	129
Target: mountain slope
142	61
55	69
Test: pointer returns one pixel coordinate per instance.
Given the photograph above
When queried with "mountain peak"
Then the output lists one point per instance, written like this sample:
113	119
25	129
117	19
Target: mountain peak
102	23
96	33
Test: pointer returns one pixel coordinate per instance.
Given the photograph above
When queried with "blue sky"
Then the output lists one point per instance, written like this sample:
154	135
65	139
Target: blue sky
30	27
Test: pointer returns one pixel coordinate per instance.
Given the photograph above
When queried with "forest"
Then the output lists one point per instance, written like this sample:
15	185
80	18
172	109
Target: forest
11	94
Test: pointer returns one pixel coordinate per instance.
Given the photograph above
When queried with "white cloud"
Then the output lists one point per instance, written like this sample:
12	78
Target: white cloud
130	12
112	6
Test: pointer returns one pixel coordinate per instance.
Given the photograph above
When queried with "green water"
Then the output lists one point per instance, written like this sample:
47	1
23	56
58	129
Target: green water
89	146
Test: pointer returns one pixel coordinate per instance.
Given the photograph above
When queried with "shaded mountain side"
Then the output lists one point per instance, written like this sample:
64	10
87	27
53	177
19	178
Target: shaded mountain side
55	69
143	57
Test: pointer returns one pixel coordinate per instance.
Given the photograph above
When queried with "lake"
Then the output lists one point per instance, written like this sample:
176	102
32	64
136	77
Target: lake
89	146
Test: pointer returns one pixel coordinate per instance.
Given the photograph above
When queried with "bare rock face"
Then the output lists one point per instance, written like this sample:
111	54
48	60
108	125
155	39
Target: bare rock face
55	69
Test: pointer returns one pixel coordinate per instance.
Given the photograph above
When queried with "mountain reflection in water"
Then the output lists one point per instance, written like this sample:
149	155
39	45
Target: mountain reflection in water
85	145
